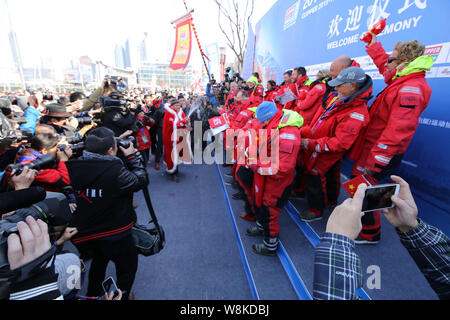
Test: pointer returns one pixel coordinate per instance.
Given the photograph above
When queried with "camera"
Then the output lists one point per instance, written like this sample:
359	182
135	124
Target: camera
75	139
84	121
44	162
77	148
114	102
54	211
125	143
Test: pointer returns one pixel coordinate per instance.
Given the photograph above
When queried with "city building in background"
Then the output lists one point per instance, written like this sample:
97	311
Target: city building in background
159	75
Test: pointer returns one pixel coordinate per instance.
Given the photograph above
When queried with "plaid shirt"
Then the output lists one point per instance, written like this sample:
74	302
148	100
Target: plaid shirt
337	269
430	249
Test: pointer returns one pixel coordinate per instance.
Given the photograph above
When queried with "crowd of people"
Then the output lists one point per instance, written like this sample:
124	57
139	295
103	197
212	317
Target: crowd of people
95	151
317	124
70	165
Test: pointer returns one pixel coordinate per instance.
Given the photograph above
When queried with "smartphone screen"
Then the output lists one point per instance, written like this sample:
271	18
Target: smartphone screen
379	197
110	286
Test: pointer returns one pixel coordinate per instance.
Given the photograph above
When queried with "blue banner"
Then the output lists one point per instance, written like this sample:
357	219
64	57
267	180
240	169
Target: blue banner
312	33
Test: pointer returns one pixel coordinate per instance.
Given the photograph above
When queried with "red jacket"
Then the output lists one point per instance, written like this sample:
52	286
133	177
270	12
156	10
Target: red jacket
269	96
273	178
394	114
258	91
244	115
52	180
309	106
336	130
142	137
281	91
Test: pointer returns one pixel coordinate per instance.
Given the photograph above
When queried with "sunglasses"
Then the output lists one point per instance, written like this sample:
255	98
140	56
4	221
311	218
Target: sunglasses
392	59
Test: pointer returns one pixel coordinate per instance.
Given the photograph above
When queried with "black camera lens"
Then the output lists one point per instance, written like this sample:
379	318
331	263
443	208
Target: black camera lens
44	162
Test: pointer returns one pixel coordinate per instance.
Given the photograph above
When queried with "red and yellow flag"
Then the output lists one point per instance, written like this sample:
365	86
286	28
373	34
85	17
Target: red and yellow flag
183	44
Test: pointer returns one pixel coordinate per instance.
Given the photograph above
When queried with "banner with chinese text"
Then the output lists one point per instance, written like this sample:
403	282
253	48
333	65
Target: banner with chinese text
183	43
312	33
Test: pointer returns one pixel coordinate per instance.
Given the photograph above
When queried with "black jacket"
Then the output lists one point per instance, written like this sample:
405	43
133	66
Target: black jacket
157	114
104	187
118	122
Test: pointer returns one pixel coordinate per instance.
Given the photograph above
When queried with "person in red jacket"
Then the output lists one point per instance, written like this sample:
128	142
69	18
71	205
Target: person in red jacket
333	134
273	176
244	113
333	178
143	136
271	91
394	117
301	81
307	107
244	175
255	88
285	96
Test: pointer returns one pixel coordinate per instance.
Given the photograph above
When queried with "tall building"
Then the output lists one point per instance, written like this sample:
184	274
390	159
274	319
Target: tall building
144	49
16	55
127	54
119	56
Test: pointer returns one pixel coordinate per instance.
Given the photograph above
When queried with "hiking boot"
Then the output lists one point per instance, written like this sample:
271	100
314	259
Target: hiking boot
254	232
261	249
238	196
309	216
157	167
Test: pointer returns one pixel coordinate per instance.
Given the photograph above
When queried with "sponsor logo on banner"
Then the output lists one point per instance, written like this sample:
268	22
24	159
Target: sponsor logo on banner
291	16
433	52
443	72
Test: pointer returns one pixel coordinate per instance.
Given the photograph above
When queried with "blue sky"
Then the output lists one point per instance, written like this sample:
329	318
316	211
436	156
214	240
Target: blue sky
65	29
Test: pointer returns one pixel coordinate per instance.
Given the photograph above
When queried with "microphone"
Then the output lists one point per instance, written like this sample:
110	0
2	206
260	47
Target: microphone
15	200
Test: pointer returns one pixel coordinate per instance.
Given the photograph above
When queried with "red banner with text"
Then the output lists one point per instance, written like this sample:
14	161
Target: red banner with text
183	44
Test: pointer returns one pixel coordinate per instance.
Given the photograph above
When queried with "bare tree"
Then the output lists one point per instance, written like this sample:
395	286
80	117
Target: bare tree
237	14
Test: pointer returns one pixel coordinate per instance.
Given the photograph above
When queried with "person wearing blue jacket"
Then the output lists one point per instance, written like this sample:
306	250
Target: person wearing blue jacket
210	95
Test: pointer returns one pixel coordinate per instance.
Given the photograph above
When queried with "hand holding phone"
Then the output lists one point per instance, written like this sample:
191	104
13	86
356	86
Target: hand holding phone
110	288
404	215
345	219
380	197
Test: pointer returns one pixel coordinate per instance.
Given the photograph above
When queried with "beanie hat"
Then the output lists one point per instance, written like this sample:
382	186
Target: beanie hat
266	111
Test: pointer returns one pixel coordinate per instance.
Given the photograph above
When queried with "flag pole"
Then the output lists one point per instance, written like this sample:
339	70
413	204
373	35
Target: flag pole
198	42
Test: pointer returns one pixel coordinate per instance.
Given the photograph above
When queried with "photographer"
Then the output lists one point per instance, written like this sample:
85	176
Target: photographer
32	109
47	143
210	93
156	132
119	116
58	117
105	213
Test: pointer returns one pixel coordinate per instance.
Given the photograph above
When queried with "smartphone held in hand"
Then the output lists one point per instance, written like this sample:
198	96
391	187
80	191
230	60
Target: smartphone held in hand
379	197
109	285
